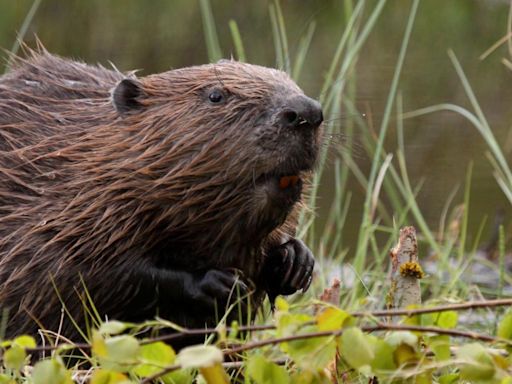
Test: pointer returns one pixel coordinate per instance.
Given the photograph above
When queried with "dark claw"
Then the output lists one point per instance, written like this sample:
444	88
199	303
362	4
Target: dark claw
305	278
310	279
288	268
288	262
301	263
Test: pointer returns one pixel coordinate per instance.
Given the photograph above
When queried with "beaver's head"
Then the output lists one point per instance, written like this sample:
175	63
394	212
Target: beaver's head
224	147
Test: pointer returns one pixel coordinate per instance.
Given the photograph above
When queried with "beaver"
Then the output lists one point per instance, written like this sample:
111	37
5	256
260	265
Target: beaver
132	197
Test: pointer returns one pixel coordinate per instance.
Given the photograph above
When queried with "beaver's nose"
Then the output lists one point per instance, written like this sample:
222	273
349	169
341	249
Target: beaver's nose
300	112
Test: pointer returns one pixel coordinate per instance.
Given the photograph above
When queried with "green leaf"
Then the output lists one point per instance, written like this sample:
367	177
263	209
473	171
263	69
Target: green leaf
505	326
478	363
331	319
234	329
404	354
308	377
440	345
383	355
123	350
412	320
98	346
447	319
102	376
281	304
113	327
311	354
182	376
25	341
153	358
404	345
214	374
423	378
14	357
356	348
402	337
6	379
51	371
501	361
199	356
288	324
118	353
450	378
424	319
263	371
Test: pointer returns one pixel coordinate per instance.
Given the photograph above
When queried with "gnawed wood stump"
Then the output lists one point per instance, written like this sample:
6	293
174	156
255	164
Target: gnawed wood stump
406	271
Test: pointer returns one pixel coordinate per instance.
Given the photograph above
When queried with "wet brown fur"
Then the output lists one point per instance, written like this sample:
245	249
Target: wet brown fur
85	190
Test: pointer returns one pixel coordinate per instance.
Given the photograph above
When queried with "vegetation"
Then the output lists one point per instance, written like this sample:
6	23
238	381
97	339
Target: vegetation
340	335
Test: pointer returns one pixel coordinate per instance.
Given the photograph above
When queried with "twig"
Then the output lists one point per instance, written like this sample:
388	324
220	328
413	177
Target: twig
440	308
374	328
163	372
437	330
207	331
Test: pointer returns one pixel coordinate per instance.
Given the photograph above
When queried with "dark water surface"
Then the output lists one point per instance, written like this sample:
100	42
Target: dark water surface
159	34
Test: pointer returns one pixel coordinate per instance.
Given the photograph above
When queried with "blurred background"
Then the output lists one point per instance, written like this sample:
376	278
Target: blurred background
158	35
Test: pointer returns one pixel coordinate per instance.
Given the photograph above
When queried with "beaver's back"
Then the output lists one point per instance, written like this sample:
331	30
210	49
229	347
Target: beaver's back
45	95
47	103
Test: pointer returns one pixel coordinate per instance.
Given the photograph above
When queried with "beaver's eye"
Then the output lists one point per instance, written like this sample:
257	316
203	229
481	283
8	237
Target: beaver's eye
216	96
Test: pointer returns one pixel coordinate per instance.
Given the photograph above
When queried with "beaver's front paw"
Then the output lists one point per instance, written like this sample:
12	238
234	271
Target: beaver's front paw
216	288
288	268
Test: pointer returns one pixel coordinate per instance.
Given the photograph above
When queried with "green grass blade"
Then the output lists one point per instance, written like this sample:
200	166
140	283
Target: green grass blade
502	171
464	225
278	47
340	48
237	40
210	32
304	45
486	130
23	30
281	30
501	256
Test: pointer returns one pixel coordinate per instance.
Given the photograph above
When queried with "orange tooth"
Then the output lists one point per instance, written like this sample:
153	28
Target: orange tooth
284	182
287	181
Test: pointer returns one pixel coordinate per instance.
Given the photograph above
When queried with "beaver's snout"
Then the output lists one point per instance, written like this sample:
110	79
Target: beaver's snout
301	112
296	139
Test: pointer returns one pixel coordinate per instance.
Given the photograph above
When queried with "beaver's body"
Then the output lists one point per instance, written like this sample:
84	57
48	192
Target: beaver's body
151	193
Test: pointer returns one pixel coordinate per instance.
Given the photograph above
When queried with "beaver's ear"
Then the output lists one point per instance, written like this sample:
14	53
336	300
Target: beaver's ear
126	96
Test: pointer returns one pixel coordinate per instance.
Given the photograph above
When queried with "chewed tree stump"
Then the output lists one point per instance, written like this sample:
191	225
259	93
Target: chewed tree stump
406	271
